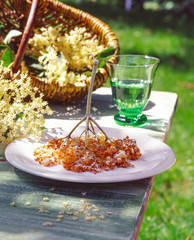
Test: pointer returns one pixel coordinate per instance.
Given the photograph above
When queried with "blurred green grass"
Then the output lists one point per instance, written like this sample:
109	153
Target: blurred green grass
170	37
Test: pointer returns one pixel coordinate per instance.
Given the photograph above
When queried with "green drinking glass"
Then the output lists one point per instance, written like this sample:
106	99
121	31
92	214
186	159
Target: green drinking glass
131	82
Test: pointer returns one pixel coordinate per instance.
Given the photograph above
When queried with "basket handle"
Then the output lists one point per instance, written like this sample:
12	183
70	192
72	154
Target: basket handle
25	37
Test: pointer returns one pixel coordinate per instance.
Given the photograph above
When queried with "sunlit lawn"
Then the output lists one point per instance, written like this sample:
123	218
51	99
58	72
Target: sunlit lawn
169	214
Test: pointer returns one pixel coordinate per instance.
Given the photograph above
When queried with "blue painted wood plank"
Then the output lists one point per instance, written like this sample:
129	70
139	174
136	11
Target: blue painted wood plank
23	221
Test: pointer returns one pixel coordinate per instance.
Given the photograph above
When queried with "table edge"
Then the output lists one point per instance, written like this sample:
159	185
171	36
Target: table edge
143	209
150	184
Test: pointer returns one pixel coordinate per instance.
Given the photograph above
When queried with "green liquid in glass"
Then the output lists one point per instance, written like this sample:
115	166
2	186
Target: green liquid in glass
130	96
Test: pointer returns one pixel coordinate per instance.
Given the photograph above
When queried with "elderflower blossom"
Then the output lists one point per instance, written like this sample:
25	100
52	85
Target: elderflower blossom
73	48
56	70
21	111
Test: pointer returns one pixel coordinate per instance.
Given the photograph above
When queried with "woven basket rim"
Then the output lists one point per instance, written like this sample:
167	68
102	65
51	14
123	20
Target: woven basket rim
92	23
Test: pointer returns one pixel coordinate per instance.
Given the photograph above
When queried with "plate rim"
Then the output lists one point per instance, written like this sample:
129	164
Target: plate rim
87	178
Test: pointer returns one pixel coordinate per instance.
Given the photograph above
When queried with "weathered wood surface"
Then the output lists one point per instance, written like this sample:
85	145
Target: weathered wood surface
122	204
159	110
122	199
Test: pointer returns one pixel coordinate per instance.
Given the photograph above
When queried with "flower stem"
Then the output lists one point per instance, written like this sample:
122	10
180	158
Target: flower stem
89	98
88	118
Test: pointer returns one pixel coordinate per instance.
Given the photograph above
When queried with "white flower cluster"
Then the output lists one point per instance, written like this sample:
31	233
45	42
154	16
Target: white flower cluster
64	56
21	110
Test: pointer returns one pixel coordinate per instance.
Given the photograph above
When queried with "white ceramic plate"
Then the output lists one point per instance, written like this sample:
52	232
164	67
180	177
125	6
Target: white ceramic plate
156	158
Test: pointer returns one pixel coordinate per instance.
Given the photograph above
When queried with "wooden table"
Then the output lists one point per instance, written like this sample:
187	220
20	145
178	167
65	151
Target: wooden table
32	207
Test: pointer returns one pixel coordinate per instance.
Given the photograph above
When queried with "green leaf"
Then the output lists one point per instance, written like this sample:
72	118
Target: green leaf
19	115
88	73
7	57
37	66
2	47
33	62
104	55
41	75
10	35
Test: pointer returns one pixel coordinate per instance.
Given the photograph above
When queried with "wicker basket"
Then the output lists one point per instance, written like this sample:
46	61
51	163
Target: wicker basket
14	15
